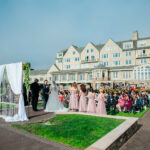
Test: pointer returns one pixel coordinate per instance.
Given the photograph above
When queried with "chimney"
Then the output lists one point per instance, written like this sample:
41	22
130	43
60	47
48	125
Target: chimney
135	35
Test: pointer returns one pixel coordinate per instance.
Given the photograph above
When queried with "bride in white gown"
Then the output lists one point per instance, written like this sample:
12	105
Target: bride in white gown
54	104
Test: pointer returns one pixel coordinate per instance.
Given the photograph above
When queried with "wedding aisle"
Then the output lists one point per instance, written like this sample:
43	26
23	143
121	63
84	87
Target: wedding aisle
12	138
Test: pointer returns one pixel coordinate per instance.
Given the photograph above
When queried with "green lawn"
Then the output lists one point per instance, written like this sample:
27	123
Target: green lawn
78	131
138	114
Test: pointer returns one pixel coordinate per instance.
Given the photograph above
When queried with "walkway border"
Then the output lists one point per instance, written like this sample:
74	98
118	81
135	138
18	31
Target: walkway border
115	138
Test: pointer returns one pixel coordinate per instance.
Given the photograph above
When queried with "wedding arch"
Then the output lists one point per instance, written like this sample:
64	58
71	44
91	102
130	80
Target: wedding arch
12	107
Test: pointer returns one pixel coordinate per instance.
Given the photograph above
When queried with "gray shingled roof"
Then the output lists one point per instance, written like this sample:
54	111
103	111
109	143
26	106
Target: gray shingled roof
73	71
119	43
121	67
56	66
38	72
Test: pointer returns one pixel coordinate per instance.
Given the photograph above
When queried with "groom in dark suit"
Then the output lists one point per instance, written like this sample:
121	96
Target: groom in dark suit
35	89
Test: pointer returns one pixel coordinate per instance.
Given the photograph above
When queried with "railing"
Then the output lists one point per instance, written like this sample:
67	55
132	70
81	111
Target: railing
143	56
89	61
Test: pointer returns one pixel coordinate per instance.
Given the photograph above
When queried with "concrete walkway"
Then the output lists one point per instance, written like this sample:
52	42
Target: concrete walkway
14	139
141	139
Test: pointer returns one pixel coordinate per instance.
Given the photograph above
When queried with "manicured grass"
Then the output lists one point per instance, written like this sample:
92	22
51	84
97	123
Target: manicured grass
138	114
78	131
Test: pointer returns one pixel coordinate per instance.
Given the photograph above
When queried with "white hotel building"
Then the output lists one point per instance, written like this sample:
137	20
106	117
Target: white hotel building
123	62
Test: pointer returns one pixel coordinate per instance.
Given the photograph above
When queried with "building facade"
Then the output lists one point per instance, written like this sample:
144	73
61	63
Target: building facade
123	62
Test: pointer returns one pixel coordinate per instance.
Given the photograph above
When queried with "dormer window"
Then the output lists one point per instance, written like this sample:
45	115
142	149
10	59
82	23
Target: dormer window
60	54
73	52
142	44
127	45
92	50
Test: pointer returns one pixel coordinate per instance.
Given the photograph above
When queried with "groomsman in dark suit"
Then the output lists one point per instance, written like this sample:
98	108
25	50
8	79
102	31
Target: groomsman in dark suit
35	89
45	93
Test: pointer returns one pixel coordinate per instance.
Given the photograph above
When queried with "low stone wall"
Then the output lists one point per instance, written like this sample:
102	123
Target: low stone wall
124	137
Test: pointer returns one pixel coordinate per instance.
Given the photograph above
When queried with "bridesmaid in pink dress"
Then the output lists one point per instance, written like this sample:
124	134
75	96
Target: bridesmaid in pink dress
101	109
91	103
73	103
82	101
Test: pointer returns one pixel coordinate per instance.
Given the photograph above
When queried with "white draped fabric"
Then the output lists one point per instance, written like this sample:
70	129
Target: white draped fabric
14	74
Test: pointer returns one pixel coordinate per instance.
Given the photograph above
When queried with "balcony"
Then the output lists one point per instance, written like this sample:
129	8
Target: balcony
143	56
89	61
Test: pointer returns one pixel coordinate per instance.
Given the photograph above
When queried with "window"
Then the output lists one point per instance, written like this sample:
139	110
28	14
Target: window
142	44
105	64
67	60
130	62
81	77
30	79
104	55
73	52
87	51
116	63
127	46
116	55
60	60
98	74
126	62
115	75
143	61
90	76
127	75
92	50
127	54
86	58
60	54
130	53
92	57
56	78
41	79
72	77
64	78
50	78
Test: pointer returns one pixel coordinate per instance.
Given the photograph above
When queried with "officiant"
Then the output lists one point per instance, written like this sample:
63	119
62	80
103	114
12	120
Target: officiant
45	93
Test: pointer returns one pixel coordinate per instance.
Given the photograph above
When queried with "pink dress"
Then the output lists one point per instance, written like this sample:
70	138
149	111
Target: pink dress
73	103
82	103
101	109
91	104
121	102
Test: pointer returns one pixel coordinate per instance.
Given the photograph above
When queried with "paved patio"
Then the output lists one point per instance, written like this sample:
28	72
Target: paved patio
14	139
141	139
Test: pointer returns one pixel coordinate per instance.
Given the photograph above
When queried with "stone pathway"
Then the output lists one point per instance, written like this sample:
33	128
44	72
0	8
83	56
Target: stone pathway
141	139
14	139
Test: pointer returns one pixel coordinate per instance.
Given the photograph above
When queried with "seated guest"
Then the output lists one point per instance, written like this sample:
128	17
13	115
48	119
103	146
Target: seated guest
60	95
135	104
140	102
115	101
128	103
110	100
91	103
148	98
101	109
121	103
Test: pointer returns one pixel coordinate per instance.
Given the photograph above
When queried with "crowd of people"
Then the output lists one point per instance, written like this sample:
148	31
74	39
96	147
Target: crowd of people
84	99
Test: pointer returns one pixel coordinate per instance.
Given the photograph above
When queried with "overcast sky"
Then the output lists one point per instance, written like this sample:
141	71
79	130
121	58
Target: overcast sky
35	30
